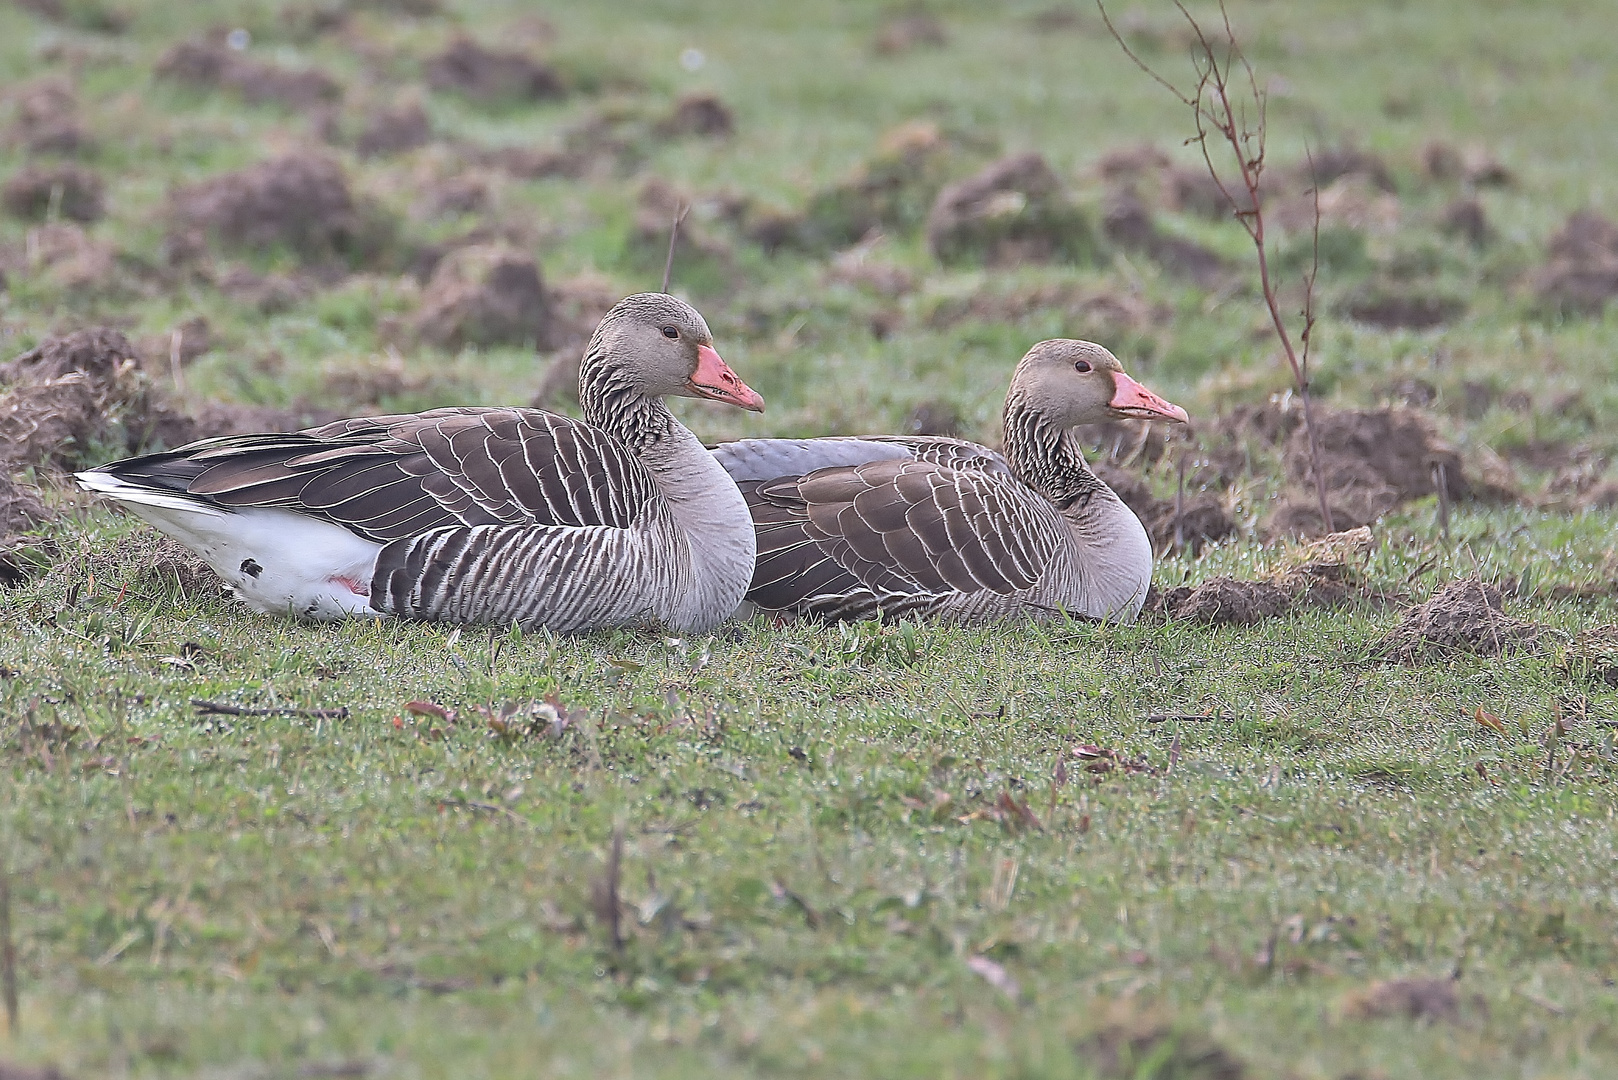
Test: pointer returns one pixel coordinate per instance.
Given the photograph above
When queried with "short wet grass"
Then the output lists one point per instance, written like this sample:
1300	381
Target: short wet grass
824	830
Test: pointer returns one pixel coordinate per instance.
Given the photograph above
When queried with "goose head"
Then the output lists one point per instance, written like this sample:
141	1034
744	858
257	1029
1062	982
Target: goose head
1072	382
666	349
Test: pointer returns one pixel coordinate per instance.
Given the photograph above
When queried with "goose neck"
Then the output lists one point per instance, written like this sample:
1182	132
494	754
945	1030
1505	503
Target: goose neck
1046	456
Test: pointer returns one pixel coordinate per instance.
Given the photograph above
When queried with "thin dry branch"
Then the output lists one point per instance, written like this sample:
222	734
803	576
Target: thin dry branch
1215	113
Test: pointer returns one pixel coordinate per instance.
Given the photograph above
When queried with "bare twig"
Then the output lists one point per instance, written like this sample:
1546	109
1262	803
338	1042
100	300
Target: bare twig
8	956
674	234
1243	128
222	708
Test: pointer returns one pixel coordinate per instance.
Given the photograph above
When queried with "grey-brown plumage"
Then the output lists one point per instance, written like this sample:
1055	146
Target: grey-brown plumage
482	515
848	528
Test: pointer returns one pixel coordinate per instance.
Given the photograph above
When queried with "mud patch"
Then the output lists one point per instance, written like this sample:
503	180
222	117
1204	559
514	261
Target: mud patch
211	64
577	307
1015	211
1127	222
1399	306
1372	460
1101	314
890	192
69	258
468	193
73	398
1137	1048
1474	165
299	201
1431	1000
46	192
703	115
1187	524
393	130
492	76
1466	219
1580	274
269	294
656	207
1464	616
484	294
46	119
910	30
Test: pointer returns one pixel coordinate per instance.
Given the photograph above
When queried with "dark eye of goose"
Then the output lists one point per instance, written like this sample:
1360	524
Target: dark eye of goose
1081	366
670	332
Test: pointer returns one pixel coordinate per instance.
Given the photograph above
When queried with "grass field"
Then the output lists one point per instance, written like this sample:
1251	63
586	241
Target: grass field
847	850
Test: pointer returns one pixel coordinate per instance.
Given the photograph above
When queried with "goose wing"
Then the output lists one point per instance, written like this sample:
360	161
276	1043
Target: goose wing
897	527
392	477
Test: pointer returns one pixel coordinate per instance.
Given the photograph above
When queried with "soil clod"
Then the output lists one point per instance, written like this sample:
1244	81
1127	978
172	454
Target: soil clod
1580	274
492	76
1464	616
1414	999
213	64
484	294
47	117
1014	211
698	114
44	192
300	201
394	130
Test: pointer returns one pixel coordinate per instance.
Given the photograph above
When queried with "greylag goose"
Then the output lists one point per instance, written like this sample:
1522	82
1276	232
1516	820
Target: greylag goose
852	527
481	515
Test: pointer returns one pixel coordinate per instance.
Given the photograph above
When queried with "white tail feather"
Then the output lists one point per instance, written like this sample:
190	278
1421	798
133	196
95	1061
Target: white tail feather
103	483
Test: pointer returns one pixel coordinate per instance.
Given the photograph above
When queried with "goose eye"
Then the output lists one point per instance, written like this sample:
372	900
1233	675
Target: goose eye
1081	366
670	332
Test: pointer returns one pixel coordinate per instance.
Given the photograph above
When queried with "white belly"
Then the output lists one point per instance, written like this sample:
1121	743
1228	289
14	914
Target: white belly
277	562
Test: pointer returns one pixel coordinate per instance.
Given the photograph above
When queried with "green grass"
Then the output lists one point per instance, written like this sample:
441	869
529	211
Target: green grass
281	895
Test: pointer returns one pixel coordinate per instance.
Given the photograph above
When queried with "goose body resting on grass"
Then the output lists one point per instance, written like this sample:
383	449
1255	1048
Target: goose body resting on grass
481	515
852	527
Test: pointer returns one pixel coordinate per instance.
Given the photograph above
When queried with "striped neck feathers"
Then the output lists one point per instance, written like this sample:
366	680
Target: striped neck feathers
1046	457
612	402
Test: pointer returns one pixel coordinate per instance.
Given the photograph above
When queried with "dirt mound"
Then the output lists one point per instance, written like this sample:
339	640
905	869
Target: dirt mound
1353	202
467	193
698	114
1014	211
890	192
577	306
1133	1046
1101	314
1580	274
394	130
1401	306
1322	583
484	294
70	259
299	201
47	117
1466	219
1473	165
1127	222
212	64
1372	460
73	398
39	192
1189	524
492	75
270	294
910	30
858	268
1463	616
1413	999
656	206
